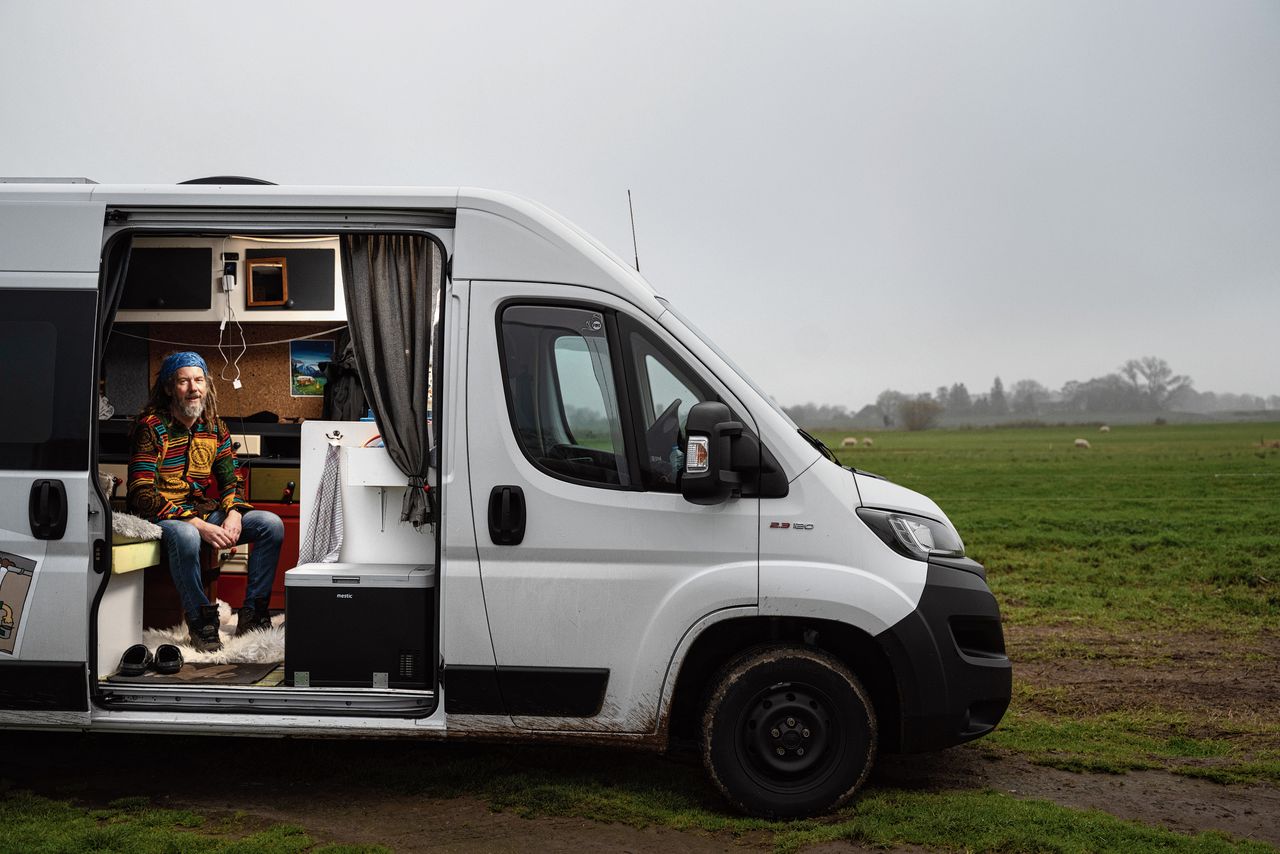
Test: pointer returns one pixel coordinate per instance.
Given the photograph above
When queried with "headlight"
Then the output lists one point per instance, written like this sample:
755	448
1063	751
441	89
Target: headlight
913	536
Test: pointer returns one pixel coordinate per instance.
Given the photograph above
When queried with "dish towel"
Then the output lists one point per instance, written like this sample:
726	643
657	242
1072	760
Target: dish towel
324	534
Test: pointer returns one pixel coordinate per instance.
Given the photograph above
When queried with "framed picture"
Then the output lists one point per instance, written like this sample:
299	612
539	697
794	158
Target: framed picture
268	282
306	377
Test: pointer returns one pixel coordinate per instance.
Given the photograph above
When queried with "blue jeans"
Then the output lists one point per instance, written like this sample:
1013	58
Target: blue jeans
181	542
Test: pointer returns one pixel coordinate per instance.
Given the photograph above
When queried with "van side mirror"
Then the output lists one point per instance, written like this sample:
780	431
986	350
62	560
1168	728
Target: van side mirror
708	476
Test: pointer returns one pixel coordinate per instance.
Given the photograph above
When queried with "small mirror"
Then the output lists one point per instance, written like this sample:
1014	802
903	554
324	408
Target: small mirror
268	281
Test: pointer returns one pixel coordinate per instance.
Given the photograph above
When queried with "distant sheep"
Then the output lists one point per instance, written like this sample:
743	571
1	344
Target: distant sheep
849	442
867	442
1104	429
1082	443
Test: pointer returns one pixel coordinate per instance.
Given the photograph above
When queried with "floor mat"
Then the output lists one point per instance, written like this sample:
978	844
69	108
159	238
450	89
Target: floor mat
204	674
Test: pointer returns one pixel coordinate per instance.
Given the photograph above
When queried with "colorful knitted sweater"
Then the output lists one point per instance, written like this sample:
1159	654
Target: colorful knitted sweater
176	473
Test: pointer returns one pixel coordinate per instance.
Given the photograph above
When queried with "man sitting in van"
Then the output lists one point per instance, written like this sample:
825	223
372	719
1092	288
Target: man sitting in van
181	451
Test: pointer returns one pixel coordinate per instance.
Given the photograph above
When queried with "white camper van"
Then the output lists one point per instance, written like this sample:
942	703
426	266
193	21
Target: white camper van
623	539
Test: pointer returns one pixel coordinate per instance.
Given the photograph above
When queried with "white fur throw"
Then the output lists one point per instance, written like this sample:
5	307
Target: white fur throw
261	647
126	527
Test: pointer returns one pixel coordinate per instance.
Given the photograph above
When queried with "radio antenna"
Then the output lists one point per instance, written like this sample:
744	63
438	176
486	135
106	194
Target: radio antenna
634	247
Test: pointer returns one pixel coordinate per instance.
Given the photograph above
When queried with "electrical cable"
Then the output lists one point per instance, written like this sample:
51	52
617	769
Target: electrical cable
255	344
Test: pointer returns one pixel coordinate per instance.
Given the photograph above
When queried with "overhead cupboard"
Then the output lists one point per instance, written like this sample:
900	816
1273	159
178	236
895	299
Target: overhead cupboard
253	279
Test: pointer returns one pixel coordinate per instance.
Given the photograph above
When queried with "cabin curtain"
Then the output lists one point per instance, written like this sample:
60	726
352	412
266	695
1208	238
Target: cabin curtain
392	282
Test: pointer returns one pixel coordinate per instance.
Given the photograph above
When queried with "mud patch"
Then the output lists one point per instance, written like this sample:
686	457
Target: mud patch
1151	797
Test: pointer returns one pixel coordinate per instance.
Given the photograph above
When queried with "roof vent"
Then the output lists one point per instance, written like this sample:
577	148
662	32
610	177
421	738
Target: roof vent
228	179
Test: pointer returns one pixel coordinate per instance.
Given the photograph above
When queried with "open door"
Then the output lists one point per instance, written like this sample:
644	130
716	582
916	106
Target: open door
51	519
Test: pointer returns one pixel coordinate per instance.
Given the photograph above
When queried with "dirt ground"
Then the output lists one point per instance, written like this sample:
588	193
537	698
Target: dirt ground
254	777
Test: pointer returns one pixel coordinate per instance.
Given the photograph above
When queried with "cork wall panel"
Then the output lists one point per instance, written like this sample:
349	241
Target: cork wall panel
264	367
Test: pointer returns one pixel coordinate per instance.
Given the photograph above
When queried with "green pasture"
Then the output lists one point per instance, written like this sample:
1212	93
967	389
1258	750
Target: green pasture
1154	528
1120	551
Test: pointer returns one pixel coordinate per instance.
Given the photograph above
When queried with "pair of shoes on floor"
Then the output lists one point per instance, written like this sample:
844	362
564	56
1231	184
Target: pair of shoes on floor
137	659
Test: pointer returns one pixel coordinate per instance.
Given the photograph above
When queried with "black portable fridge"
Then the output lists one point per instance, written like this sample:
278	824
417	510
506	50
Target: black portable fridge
350	625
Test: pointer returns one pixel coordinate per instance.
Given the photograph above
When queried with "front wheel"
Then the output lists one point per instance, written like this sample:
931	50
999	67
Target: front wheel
788	732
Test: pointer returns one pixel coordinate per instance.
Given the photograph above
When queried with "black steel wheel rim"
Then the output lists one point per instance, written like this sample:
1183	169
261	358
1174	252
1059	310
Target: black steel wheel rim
790	737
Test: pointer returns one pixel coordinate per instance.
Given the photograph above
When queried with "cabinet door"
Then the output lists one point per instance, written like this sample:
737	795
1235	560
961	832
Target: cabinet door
311	278
169	279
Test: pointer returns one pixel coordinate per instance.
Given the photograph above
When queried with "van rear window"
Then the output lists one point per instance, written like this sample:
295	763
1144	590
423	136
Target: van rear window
46	378
28	355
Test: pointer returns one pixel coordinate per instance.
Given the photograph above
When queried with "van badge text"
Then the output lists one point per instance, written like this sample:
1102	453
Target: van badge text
795	526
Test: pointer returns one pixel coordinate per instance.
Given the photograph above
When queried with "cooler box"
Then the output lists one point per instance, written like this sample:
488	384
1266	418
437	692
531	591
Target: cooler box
350	625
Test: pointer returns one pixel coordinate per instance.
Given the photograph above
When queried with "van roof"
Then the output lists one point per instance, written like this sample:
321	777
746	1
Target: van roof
542	223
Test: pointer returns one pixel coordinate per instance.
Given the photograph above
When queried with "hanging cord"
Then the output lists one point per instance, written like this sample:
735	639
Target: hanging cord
255	344
231	316
244	347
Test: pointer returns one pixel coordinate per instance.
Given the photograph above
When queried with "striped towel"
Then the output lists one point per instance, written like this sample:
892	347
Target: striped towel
324	534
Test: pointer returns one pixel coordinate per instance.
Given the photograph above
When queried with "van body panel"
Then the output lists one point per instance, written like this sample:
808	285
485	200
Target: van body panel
45	235
887	495
465	637
509	247
604	577
838	569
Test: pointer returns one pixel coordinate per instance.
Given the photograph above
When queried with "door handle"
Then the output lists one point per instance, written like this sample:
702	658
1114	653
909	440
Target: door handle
506	515
47	509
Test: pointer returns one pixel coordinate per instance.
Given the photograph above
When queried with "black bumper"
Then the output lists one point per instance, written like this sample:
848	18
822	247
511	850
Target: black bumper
948	657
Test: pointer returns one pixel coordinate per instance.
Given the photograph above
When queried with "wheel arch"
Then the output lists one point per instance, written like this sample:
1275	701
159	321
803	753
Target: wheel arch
721	642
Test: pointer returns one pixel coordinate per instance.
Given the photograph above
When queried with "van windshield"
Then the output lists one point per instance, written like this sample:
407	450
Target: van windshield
725	356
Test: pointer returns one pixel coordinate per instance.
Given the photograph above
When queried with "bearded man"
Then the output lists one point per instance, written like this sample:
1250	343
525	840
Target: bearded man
182	476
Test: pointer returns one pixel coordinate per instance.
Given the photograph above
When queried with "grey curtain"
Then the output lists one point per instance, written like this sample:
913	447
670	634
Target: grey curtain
392	283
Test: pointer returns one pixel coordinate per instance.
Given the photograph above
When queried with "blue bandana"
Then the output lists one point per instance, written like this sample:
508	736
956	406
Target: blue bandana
174	361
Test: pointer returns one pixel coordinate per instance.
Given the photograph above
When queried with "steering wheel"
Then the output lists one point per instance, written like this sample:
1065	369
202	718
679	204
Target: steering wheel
663	432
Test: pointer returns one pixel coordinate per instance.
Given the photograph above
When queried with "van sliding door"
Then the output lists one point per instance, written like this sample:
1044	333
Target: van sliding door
49	515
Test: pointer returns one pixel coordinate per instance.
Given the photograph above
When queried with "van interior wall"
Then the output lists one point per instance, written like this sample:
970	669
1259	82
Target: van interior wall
131	364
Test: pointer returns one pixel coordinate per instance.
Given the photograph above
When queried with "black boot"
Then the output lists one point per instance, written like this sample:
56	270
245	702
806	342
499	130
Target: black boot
204	630
253	616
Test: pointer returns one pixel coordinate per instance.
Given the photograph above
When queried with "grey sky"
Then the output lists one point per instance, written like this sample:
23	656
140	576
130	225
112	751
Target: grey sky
846	196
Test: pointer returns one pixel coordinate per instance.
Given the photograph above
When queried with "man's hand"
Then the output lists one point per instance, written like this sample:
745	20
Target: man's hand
231	525
215	535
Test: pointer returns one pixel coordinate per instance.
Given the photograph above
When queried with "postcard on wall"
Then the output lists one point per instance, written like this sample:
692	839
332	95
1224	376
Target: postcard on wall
306	376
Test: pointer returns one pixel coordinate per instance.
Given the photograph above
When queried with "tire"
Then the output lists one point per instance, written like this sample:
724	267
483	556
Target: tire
803	702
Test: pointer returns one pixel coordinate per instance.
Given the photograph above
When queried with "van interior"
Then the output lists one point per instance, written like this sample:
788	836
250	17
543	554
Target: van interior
268	311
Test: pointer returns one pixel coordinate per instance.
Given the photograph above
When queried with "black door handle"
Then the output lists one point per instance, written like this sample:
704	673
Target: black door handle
47	509
506	515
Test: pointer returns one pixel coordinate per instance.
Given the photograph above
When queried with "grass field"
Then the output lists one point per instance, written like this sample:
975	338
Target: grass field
1154	545
1155	529
1151	558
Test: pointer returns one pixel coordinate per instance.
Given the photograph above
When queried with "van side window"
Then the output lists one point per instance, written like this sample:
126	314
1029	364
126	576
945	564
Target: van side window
46	378
562	393
665	390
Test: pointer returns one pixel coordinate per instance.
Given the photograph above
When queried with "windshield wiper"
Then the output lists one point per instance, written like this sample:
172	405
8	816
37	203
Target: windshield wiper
817	443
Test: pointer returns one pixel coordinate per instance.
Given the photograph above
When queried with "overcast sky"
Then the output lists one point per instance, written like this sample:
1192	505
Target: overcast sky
846	196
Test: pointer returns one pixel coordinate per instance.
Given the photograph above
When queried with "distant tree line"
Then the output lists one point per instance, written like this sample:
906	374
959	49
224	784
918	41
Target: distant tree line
1139	385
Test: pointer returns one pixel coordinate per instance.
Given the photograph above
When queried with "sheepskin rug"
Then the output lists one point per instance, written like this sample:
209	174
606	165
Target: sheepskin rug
261	647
